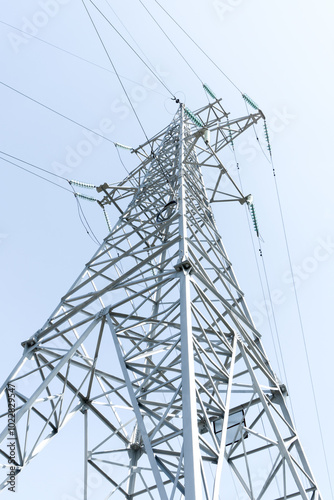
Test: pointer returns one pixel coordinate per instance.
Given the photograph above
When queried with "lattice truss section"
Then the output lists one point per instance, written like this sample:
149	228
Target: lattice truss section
116	347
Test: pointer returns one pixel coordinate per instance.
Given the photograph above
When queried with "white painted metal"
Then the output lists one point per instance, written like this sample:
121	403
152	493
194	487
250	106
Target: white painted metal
155	345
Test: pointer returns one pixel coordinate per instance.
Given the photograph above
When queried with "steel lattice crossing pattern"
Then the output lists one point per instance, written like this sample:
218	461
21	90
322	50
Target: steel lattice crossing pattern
154	344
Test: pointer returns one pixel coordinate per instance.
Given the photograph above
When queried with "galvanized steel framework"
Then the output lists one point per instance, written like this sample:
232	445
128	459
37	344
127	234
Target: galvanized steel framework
154	343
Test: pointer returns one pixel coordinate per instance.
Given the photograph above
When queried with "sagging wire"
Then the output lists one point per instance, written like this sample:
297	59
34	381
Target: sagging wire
129	33
256	228
56	112
111	62
33	173
82	216
120	158
76	55
198	46
271	161
301	324
130	46
169	39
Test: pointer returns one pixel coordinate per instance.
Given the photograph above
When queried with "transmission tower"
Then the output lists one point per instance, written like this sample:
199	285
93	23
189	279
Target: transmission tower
155	346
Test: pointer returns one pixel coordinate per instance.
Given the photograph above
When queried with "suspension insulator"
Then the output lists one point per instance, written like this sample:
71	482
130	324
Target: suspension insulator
254	219
250	101
266	134
209	91
83	184
84	197
195	119
106	218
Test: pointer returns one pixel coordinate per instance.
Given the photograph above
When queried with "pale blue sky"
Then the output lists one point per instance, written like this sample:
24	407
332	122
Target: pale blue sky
278	52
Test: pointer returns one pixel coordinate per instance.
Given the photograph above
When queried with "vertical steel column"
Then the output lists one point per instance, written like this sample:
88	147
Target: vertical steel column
192	457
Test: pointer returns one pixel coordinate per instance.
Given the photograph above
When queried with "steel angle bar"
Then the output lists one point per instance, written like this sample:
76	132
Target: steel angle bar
263	365
214	327
161	346
232	312
207	421
108	478
281	416
140	421
103	291
212	309
54	372
220	369
144	279
210	453
27	374
163	418
219	277
280	442
213	347
129	252
141	293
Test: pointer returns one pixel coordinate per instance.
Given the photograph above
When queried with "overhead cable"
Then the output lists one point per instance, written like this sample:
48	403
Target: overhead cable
130	46
175	47
111	62
56	112
198	46
76	55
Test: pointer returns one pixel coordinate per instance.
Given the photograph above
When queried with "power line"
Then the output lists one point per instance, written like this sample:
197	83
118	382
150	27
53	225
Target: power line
175	47
81	214
198	46
111	62
34	166
83	218
129	33
133	50
56	112
302	330
75	55
33	173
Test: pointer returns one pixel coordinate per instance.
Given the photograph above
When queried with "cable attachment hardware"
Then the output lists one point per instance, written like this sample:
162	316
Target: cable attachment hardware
168	210
247	199
254	219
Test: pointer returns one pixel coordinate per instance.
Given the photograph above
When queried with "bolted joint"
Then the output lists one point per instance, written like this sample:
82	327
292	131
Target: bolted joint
185	265
283	389
103	312
29	343
103	187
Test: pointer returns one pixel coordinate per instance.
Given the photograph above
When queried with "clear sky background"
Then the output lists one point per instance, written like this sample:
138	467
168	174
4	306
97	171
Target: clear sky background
278	52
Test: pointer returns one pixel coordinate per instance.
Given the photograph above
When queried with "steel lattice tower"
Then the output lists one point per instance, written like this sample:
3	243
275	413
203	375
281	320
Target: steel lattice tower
155	346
